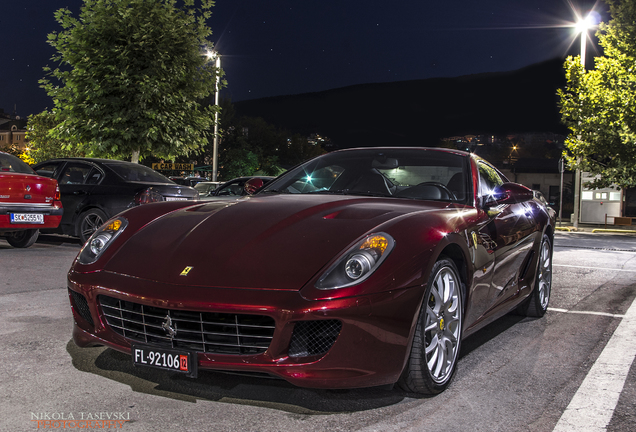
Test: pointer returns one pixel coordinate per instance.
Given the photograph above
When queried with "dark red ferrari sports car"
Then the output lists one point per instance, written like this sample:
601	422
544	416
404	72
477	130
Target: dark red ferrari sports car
358	268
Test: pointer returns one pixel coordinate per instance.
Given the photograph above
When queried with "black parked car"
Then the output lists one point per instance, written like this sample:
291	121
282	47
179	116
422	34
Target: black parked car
93	190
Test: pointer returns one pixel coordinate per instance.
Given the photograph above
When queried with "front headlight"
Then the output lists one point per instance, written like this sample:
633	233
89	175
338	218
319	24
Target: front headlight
101	239
358	263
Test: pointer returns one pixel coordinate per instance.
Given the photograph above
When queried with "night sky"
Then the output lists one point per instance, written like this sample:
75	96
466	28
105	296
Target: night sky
282	47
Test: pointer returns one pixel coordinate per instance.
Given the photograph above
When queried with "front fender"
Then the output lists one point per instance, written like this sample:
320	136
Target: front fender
420	238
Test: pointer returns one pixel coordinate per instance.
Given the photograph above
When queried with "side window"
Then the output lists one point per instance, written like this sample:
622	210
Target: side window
489	178
94	177
75	174
48	170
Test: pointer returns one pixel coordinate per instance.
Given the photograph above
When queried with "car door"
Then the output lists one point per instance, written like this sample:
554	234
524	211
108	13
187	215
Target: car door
77	180
508	235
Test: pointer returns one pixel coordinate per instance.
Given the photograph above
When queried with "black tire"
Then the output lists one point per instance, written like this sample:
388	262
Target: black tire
88	222
437	340
24	238
537	303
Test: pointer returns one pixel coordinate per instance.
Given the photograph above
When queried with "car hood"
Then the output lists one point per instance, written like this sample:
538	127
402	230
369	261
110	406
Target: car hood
271	242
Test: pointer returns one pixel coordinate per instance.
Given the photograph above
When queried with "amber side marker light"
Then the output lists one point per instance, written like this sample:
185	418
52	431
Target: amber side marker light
378	242
114	225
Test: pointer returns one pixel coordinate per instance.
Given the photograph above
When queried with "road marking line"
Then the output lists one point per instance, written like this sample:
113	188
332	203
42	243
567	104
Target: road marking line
593	268
586	312
593	405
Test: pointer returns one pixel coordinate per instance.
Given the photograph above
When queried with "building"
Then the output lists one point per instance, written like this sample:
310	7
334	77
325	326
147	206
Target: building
12	131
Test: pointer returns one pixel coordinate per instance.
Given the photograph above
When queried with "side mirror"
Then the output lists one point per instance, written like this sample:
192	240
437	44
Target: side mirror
252	185
508	193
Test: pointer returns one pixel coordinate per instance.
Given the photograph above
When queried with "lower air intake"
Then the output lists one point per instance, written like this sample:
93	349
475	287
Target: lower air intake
81	307
313	337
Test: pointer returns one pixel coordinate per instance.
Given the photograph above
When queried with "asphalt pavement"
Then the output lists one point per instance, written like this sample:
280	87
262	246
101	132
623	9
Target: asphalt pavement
571	370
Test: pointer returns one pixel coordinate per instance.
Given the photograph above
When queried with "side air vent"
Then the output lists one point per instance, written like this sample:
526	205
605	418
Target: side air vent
526	265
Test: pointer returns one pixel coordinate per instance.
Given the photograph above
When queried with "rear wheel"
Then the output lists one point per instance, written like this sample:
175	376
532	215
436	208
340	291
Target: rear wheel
537	304
437	338
88	222
24	238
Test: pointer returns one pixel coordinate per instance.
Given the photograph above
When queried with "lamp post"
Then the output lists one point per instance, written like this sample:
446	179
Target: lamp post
215	148
581	27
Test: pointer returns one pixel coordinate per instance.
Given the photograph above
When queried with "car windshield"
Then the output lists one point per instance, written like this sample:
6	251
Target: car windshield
10	163
138	173
416	173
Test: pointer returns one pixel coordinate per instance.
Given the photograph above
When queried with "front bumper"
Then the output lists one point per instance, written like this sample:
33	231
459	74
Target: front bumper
370	350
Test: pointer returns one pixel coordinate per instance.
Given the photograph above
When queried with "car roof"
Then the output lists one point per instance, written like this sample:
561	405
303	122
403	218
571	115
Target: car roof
86	159
418	148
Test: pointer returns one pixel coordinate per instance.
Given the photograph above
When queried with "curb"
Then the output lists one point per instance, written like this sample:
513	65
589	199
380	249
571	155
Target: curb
595	230
568	229
604	230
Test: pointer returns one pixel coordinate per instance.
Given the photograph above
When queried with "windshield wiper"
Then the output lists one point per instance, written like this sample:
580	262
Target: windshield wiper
371	194
327	191
349	192
281	191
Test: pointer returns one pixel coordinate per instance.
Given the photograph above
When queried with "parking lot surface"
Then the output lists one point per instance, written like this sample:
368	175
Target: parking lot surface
518	374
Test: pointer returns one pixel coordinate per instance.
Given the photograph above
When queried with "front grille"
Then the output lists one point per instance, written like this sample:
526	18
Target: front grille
81	306
313	337
207	332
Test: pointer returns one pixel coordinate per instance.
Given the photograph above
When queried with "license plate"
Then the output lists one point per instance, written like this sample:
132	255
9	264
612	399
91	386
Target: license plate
176	199
165	359
27	218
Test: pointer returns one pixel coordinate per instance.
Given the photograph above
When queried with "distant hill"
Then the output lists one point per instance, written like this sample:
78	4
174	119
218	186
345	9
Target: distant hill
420	112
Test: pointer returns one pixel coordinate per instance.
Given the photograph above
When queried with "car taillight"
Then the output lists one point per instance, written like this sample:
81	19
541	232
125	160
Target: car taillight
58	196
148	196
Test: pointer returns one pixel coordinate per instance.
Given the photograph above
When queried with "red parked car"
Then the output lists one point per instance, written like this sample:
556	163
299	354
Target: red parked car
358	268
28	202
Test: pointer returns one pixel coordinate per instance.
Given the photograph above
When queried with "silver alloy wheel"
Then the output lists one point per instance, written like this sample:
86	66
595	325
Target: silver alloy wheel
89	222
545	275
443	325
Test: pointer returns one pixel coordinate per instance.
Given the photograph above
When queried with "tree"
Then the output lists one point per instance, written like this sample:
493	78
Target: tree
42	144
132	78
599	105
19	152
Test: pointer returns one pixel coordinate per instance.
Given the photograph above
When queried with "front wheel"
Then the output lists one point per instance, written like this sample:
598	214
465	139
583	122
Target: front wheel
88	222
24	238
437	338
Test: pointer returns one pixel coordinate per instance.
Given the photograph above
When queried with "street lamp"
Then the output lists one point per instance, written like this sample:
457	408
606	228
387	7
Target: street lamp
582	26
215	148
